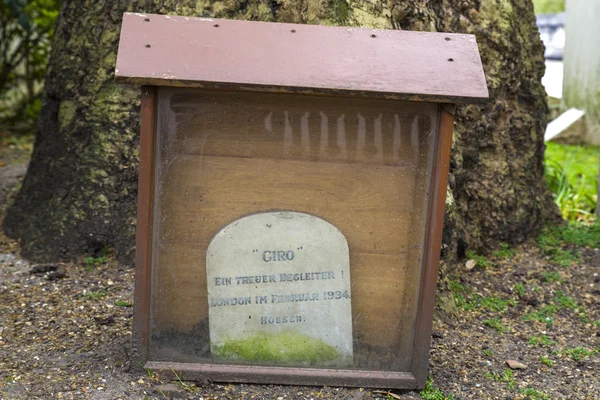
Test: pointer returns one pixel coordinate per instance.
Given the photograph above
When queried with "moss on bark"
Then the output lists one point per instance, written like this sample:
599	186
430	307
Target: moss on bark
79	194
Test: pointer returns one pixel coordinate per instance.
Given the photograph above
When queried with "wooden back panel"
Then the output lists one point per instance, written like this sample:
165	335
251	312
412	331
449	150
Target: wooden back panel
361	165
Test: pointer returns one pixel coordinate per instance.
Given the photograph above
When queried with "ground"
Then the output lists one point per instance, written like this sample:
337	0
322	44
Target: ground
65	329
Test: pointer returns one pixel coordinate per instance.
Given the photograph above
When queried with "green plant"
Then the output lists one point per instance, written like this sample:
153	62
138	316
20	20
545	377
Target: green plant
467	300
546	361
432	393
148	371
92	262
597	323
27	27
181	382
480	261
520	289
564	301
488	353
95	295
504	252
494	303
542	341
506	377
574	191
551	244
571	173
578	353
544	314
495	324
123	303
550	277
533	394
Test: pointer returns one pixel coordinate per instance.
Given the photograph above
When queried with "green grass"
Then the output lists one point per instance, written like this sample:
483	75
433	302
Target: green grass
533	394
546	361
572	176
548	6
504	252
95	295
488	353
520	289
544	314
123	303
480	261
465	299
496	324
285	346
550	277
92	262
574	234
565	301
542	341
579	353
432	393
554	239
508	377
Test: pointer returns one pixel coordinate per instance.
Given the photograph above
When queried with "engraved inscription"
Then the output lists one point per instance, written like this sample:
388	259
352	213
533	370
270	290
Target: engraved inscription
280	276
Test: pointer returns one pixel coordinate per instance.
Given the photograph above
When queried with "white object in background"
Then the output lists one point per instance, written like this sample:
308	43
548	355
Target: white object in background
562	123
553	78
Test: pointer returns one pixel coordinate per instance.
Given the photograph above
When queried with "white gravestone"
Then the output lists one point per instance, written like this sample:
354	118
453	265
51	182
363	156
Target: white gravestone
279	291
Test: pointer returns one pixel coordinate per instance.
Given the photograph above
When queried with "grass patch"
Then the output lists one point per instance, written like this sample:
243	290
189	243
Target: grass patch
508	377
493	303
551	277
542	341
432	393
123	303
496	324
553	239
546	361
504	252
480	261
467	300
92	262
533	394
520	289
95	295
579	353
571	173
565	301
488	353
544	314
285	346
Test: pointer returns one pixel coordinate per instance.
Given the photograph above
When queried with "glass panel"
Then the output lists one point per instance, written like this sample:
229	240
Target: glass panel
311	212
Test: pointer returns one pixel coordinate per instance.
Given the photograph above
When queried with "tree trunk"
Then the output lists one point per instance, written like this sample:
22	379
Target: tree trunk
79	194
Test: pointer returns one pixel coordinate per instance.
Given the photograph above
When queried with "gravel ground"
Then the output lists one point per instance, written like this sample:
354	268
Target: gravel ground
65	332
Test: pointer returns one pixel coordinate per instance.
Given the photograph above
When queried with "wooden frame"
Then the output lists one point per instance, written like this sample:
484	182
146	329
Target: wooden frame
417	376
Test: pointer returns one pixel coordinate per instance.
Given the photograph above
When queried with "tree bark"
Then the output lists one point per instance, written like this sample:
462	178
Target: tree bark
79	194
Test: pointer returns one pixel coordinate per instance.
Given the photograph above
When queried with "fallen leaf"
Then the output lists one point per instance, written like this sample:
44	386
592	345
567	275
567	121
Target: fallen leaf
471	264
514	364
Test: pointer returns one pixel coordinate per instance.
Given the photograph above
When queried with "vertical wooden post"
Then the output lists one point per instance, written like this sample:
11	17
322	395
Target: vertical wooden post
581	82
144	226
